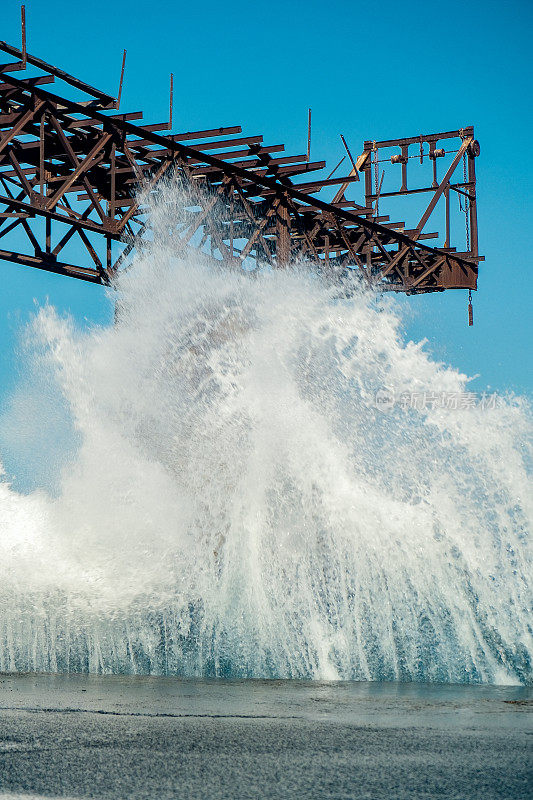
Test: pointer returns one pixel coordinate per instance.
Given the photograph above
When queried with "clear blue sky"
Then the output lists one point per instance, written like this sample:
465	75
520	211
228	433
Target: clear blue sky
369	71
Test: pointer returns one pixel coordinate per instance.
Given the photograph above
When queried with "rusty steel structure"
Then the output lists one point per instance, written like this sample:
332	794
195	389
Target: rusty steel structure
79	171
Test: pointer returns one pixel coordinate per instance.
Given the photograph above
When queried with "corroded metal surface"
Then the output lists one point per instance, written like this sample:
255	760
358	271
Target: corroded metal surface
78	171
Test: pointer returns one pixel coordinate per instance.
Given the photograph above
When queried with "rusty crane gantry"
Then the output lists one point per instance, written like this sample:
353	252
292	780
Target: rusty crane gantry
72	170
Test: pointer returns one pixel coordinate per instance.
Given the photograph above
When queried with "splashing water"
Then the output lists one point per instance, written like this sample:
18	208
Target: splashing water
238	505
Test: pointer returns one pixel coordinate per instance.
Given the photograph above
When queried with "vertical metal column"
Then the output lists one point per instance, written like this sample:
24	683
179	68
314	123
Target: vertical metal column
283	250
472	201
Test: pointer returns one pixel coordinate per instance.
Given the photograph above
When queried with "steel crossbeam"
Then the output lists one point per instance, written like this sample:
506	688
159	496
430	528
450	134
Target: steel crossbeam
72	171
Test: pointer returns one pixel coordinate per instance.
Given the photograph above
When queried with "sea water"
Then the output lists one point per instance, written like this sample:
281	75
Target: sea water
221	492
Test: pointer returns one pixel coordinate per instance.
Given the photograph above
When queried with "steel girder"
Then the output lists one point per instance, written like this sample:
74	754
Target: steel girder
73	169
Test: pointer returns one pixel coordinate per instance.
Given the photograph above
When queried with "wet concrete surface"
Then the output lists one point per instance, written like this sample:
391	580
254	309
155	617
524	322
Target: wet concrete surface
146	737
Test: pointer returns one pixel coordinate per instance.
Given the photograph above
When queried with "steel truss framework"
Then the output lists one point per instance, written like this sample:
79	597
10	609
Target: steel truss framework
74	169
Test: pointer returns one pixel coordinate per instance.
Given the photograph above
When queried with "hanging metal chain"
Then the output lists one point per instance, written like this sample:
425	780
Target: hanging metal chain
467	206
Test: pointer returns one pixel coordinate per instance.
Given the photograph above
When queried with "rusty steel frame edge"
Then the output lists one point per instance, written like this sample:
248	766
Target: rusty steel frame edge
246	209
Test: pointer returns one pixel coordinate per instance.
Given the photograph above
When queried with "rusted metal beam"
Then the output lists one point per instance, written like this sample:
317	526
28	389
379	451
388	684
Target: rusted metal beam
105	99
76	147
